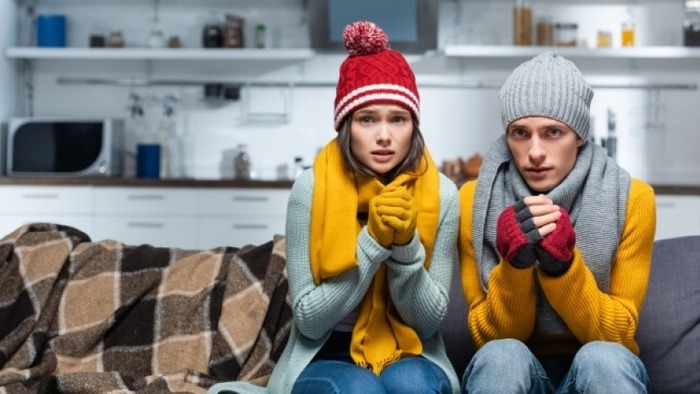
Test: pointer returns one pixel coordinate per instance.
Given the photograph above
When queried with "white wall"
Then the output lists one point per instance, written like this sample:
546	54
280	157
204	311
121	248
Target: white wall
7	72
657	130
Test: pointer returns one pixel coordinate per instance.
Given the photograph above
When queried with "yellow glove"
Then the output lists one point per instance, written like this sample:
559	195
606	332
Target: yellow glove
383	234
399	211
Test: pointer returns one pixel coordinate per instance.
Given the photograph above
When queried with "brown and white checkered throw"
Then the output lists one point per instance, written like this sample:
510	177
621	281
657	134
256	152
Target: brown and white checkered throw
89	317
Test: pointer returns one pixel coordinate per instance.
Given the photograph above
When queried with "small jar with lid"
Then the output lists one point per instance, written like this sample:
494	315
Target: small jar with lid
566	34
545	31
115	39
233	32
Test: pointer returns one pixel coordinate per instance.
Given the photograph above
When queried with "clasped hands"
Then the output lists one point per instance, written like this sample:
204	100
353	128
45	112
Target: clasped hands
535	229
392	216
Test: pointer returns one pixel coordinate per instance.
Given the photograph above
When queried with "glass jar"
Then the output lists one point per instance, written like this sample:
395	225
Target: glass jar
545	32
212	32
691	24
566	34
233	32
115	39
604	39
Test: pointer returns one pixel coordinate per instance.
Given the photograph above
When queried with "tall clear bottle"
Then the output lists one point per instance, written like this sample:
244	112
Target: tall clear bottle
171	150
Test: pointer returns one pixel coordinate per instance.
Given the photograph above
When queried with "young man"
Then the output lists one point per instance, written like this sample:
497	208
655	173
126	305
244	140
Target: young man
555	247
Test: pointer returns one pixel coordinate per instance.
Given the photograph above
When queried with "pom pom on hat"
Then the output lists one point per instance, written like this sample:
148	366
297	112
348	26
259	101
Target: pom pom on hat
364	38
551	86
372	73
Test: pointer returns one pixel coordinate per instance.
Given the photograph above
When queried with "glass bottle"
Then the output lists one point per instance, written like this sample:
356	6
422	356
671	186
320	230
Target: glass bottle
260	36
628	30
242	163
522	23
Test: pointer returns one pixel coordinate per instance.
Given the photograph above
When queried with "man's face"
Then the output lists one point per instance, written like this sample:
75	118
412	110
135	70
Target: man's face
544	150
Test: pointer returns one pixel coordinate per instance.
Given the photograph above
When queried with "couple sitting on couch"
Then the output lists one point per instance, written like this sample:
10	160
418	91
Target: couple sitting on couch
554	243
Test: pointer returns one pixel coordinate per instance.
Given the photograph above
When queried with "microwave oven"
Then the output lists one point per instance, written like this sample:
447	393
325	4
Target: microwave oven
70	147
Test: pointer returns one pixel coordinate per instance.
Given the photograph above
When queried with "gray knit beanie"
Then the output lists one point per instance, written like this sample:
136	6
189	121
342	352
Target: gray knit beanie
551	86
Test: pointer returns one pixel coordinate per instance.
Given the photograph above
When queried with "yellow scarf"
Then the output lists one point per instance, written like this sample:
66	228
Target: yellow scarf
380	336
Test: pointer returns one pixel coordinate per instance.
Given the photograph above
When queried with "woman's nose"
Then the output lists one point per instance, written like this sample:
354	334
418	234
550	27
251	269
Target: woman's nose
383	135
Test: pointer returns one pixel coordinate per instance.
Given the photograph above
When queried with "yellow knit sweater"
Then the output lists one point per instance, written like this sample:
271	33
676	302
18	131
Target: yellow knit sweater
507	310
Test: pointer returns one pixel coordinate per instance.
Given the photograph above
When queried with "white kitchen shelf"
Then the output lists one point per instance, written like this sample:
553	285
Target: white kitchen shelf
243	54
512	52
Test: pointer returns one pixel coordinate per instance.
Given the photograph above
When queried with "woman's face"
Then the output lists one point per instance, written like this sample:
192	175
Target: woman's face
380	136
544	151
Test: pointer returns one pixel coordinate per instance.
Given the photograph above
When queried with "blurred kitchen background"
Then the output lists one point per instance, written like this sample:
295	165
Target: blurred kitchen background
261	82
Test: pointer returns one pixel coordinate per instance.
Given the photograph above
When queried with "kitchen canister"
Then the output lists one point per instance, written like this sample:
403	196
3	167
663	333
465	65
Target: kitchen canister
51	31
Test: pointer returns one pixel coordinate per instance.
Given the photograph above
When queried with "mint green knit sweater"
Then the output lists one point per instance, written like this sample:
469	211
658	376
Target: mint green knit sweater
421	296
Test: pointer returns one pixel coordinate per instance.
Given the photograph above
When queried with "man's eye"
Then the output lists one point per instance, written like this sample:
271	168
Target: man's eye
518	133
554	132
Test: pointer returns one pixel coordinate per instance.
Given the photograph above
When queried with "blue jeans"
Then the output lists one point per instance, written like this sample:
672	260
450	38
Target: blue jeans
508	366
408	375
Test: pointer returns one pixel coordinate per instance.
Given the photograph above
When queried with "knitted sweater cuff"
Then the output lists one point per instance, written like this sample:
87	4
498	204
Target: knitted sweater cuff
409	253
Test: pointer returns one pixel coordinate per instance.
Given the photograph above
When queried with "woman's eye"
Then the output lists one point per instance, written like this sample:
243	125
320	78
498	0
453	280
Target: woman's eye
366	120
399	120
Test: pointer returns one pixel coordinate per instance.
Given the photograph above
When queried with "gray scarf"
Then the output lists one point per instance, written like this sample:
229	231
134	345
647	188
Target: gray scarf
594	193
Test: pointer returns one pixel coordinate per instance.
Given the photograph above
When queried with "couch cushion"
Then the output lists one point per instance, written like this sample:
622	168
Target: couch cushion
458	342
669	323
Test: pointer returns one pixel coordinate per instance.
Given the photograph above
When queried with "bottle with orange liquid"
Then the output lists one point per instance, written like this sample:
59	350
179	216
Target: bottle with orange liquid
628	30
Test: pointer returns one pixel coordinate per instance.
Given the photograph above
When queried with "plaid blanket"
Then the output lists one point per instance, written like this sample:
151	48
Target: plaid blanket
94	317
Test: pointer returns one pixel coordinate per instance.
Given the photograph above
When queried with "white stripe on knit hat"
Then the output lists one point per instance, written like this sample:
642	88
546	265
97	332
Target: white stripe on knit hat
374	97
380	86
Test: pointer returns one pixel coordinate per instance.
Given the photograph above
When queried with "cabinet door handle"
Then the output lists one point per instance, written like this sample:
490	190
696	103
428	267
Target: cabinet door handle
666	205
250	198
41	196
249	226
145	225
146	197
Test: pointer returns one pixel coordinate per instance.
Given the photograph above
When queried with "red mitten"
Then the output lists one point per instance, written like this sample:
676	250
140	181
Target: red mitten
555	251
516	235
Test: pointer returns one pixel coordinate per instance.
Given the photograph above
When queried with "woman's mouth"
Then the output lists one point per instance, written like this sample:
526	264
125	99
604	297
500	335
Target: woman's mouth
382	155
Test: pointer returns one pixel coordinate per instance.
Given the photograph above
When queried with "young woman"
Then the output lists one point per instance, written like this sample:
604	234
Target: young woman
555	247
371	239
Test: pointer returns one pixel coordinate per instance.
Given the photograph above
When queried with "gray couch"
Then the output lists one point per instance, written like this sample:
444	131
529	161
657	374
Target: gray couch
669	323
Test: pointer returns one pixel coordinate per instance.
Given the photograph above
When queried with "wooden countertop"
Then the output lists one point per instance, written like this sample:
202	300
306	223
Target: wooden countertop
217	183
141	182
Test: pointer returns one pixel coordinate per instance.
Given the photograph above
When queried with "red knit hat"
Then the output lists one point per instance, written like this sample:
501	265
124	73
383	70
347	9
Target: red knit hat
373	73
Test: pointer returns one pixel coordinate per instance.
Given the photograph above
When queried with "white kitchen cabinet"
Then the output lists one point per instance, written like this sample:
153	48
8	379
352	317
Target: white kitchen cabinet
677	216
183	217
167	231
20	205
240	217
159	216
